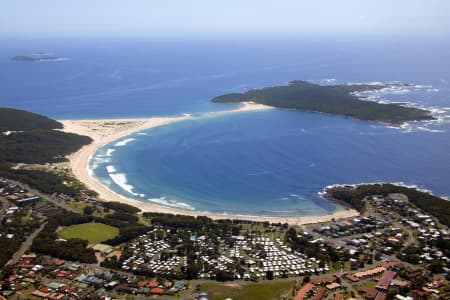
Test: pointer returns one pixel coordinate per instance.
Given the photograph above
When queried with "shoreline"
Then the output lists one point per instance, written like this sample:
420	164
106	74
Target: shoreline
106	131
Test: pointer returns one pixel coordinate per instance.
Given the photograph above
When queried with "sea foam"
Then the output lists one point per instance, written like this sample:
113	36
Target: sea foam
110	151
121	180
171	203
111	169
124	142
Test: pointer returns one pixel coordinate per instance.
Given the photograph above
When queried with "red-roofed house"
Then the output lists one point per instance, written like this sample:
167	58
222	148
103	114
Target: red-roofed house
385	280
339	297
11	278
369	293
30	256
326	280
142	283
391	264
40	294
304	291
320	293
153	284
347	223
352	278
157	291
59	262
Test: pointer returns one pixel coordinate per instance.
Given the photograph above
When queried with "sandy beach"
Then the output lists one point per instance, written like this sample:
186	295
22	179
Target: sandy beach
105	131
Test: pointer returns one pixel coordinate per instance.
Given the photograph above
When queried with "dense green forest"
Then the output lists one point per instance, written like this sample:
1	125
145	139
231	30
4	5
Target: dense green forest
19	120
46	182
39	146
32	138
8	248
438	207
332	99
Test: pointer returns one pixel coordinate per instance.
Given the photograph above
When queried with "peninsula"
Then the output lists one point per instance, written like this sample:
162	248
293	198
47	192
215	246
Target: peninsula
331	99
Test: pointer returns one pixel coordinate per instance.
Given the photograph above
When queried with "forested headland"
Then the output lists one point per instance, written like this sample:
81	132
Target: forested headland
355	197
331	99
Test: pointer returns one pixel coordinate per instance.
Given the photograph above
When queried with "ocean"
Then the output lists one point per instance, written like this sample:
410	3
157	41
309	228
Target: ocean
271	163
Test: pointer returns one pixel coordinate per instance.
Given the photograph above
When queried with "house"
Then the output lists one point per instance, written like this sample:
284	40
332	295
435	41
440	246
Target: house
103	249
319	294
391	264
347	223
153	284
157	291
304	291
369	293
339	297
333	286
320	281
385	281
59	262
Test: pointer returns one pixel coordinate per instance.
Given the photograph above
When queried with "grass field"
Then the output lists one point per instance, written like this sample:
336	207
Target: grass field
93	232
247	291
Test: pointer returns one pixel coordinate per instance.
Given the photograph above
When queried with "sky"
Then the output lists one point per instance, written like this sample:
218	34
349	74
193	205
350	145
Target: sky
223	17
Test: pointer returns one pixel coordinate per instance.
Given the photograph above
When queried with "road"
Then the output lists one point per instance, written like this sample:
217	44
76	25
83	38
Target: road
25	245
4	206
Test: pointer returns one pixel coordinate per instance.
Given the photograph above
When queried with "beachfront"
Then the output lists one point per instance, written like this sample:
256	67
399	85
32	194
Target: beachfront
105	131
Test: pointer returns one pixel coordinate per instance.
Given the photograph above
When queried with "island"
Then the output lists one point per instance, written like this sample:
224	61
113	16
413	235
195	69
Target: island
331	99
35	58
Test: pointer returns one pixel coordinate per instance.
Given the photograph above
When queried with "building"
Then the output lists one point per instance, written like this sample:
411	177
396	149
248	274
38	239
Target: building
385	281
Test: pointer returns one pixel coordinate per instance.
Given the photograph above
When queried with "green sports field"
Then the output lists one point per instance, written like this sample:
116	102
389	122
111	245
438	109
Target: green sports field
92	232
265	290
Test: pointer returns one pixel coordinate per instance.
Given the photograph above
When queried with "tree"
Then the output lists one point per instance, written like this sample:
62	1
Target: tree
436	266
88	210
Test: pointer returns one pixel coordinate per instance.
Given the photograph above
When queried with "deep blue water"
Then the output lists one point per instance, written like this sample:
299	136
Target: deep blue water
272	162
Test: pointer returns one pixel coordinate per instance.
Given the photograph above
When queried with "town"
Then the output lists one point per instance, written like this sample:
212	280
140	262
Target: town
394	250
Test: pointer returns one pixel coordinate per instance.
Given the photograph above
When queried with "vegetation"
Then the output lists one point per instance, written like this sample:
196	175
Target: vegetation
20	120
46	182
92	232
73	249
19	225
122	207
124	217
82	229
33	58
436	206
334	99
33	140
247	291
8	248
301	244
39	146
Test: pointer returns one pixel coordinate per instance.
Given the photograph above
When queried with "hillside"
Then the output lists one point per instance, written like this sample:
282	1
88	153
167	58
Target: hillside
20	120
30	138
332	99
39	146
